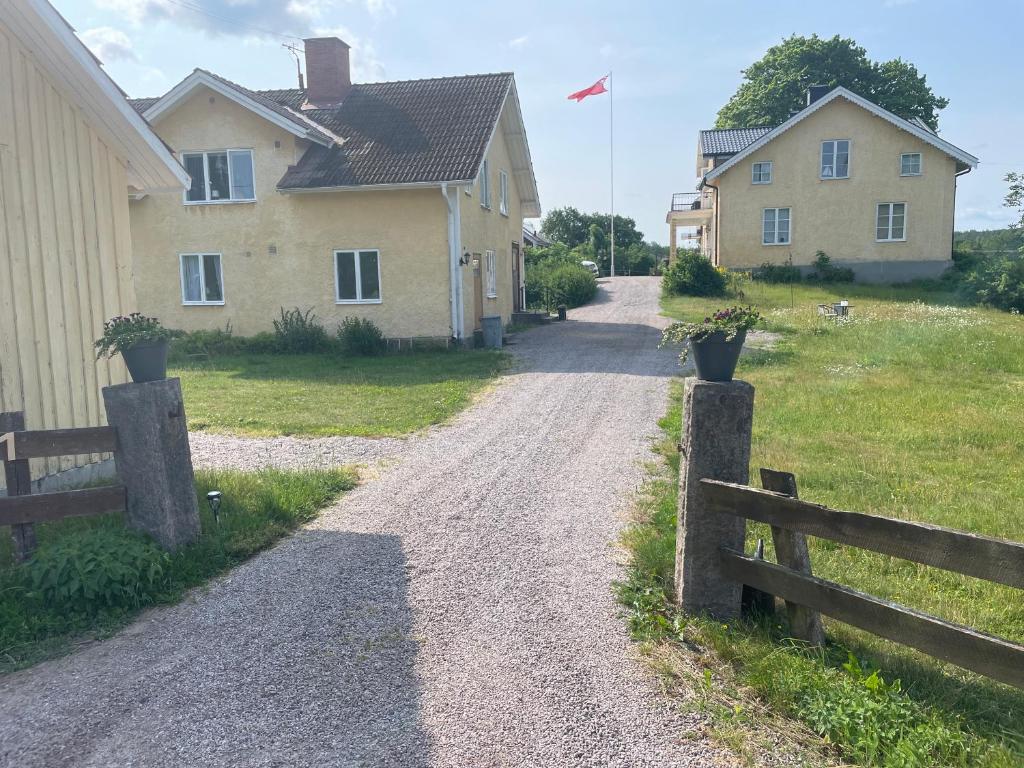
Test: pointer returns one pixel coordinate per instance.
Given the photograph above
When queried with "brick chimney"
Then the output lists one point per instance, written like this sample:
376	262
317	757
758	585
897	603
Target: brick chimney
327	70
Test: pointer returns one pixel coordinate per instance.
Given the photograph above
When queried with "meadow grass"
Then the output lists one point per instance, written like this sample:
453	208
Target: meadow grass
257	510
321	395
911	409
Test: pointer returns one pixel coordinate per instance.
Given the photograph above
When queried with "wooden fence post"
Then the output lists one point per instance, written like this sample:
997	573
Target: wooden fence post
791	551
19	483
717	421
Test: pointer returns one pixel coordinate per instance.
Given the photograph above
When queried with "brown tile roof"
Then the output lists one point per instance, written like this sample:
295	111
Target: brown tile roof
406	132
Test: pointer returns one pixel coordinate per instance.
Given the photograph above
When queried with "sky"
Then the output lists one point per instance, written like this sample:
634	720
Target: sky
674	65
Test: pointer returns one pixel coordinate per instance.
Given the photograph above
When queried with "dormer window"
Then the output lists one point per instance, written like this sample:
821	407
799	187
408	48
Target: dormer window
224	176
835	159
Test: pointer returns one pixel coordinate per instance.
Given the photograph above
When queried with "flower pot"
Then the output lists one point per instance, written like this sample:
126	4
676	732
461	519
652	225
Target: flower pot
715	358
147	361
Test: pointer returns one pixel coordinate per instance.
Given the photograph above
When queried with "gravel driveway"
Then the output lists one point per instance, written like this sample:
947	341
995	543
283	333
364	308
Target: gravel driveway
456	611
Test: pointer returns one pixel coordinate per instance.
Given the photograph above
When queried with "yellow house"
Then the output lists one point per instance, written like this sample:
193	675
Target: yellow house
842	176
71	149
400	202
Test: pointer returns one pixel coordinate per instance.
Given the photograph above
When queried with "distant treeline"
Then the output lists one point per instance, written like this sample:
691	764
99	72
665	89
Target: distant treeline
989	240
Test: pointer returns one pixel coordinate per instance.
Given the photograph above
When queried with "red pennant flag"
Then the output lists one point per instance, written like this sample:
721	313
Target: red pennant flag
593	90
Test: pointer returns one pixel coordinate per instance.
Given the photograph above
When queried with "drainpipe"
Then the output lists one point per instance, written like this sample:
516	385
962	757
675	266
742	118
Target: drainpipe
718	233
454	256
952	237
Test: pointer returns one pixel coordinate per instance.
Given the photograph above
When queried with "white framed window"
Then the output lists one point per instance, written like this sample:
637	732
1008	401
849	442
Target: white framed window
835	159
202	279
776	226
223	176
485	184
891	223
491	273
761	173
503	193
357	276
910	164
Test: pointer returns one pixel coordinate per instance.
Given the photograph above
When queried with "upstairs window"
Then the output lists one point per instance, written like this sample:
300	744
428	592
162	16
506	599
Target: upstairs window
761	173
776	226
503	193
202	281
891	222
225	176
485	184
835	159
357	277
910	164
491	268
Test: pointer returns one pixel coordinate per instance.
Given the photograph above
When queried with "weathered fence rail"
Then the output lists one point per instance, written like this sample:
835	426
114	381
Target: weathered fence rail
983	557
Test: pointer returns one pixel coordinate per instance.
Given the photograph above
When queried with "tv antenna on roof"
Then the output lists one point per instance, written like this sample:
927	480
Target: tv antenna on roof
294	50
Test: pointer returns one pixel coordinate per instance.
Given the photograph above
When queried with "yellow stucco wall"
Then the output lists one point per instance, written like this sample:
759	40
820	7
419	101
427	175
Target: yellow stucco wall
484	229
838	216
65	252
408	227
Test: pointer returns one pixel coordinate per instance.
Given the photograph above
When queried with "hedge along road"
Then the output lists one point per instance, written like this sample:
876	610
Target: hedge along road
456	611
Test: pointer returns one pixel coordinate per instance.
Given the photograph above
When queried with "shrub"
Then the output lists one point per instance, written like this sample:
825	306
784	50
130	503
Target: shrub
826	272
98	569
359	336
298	332
998	282
216	342
693	275
777	273
555	282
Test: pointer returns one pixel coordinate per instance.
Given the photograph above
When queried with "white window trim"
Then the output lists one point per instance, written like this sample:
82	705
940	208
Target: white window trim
202	278
503	193
231	176
849	159
491	273
771	172
920	163
485	185
359	282
789	241
906	210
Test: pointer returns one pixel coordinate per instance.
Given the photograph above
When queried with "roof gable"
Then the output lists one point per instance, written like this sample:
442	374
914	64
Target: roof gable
912	128
77	74
290	120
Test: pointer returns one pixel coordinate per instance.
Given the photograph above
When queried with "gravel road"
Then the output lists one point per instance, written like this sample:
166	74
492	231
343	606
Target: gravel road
456	611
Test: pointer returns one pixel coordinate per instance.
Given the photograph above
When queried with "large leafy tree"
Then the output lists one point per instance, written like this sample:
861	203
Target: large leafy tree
776	86
568	225
1015	197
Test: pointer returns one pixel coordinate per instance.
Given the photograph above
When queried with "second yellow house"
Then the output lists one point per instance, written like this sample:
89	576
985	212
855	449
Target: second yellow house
400	202
844	177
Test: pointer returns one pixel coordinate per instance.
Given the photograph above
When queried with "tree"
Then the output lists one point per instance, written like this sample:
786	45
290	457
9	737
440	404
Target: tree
1015	197
567	225
776	86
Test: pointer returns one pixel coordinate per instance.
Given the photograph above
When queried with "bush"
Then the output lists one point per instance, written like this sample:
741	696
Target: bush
998	282
299	332
555	282
359	336
693	275
216	342
777	273
826	272
98	569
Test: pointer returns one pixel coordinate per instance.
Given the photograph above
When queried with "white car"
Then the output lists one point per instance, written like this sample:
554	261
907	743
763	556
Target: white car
592	267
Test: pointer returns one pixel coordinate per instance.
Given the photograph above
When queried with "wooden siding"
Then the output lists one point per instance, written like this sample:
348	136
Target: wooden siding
65	253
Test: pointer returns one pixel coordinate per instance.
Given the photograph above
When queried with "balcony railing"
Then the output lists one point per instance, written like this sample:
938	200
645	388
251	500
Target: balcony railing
686	201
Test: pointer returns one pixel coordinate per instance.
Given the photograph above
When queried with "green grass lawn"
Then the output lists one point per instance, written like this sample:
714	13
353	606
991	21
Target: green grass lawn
914	409
257	510
318	395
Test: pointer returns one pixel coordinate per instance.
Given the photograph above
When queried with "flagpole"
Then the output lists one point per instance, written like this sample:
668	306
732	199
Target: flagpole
611	161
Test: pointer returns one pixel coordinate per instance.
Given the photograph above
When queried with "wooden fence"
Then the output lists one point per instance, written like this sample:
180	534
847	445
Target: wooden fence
806	596
20	509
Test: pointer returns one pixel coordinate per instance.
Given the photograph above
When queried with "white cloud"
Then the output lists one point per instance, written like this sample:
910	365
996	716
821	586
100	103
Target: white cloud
381	7
518	42
109	44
